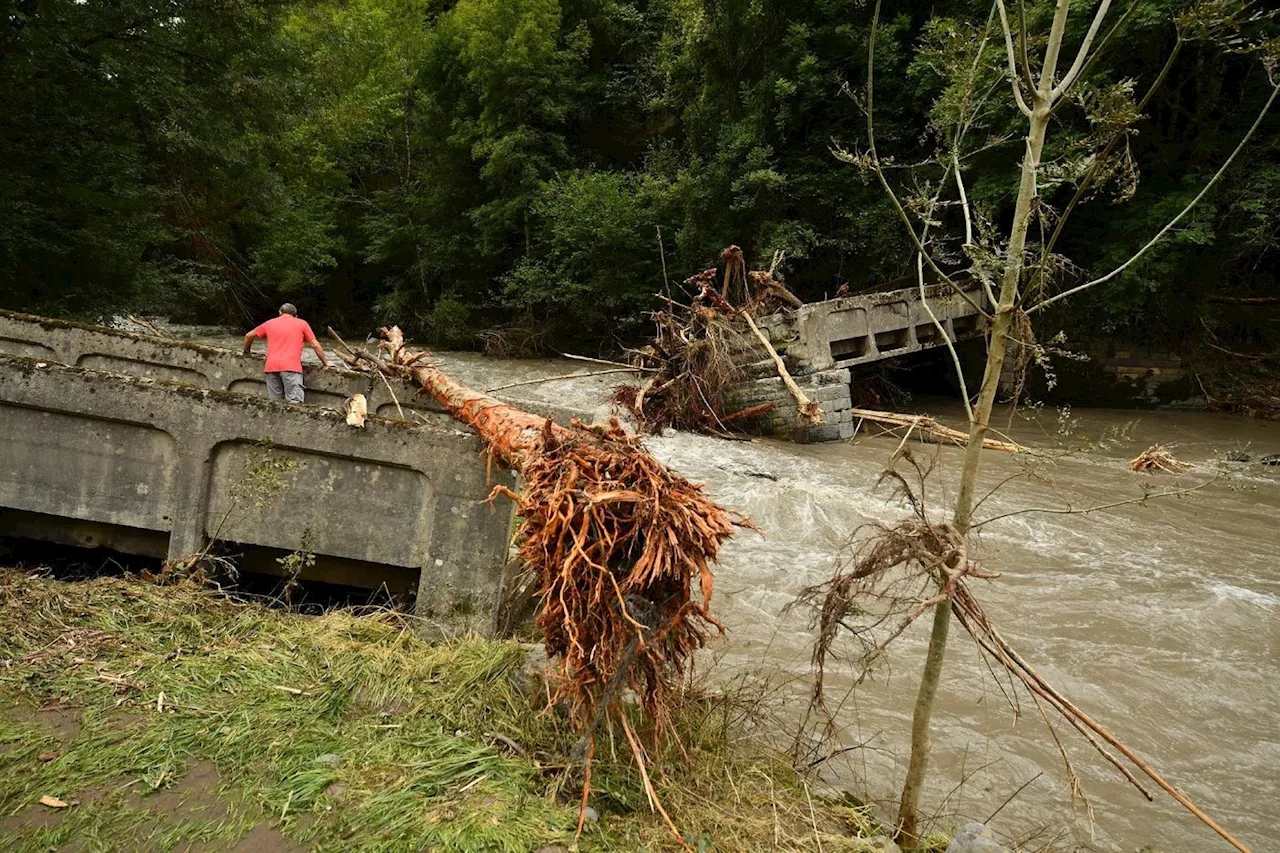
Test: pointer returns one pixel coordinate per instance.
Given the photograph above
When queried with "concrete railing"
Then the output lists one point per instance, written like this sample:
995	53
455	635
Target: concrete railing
156	466
871	327
820	341
149	357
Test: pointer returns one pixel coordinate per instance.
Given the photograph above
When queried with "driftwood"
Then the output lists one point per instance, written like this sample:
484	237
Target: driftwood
614	539
690	361
696	349
1157	458
932	431
805	407
357	410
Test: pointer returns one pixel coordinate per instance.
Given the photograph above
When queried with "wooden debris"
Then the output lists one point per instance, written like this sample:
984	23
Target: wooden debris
749	412
806	408
930	430
1157	458
357	410
690	361
696	349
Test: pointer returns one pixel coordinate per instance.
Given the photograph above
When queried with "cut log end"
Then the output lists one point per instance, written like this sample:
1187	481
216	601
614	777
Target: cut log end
357	410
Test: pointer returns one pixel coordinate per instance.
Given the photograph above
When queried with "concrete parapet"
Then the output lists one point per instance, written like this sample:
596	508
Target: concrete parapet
149	357
855	330
821	340
158	467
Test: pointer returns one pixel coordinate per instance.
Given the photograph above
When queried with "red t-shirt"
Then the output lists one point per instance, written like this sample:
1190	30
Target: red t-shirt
285	336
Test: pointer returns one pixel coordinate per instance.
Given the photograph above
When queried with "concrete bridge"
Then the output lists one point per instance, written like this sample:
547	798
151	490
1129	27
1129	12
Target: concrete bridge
821	341
152	447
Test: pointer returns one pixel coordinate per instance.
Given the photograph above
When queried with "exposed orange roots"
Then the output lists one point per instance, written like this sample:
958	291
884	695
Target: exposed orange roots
614	537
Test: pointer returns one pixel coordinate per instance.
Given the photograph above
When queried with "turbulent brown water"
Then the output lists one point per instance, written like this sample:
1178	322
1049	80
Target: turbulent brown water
1161	621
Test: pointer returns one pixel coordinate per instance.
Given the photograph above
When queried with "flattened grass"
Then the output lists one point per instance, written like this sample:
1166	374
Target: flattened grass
339	731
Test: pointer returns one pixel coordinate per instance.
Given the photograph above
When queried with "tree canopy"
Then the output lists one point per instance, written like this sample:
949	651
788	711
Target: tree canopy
478	164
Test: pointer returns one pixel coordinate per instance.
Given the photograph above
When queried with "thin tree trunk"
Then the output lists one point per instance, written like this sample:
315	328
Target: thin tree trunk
909	807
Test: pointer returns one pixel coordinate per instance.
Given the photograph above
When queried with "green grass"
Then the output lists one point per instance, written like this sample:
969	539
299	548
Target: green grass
161	679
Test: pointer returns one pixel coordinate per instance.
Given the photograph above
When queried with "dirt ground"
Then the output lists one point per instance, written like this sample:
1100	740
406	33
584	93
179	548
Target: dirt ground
192	797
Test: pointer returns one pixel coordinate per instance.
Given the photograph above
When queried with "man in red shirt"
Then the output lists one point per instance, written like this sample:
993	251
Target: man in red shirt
285	336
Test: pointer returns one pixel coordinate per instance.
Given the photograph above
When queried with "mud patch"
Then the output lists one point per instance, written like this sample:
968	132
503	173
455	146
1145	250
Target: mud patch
195	796
63	721
261	839
264	839
31	818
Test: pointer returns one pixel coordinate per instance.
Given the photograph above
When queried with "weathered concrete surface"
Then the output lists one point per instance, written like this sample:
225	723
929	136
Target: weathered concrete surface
149	357
820	341
158	467
857	330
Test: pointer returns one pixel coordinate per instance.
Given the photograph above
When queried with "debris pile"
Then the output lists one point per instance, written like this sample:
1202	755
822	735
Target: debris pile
1157	458
696	351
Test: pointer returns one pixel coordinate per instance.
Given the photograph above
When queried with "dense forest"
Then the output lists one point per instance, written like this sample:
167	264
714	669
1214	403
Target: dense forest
478	165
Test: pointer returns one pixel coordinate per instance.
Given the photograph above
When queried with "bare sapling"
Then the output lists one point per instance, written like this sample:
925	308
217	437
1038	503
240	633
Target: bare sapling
1017	274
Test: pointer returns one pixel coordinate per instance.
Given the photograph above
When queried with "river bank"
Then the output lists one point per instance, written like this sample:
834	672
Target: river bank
174	718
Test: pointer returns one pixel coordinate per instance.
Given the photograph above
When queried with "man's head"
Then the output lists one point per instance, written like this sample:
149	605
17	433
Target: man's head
290	309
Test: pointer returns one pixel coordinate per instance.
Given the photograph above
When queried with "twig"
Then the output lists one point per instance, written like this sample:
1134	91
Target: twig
813	818
473	783
562	376
648	786
662	255
392	393
1012	796
606	361
1070	510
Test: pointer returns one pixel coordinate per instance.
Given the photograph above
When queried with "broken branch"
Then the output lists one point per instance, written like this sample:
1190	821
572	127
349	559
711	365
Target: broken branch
805	407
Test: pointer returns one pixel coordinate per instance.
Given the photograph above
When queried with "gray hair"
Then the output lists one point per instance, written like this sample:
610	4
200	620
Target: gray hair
289	308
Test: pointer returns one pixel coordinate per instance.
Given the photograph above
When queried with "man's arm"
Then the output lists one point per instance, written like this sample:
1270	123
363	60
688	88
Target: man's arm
319	350
248	341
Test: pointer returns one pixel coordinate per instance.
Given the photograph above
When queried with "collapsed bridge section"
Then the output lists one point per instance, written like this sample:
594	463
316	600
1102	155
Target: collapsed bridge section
820	341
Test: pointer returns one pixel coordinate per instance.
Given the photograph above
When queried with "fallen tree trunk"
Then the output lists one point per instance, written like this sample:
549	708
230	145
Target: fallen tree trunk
931	430
615	540
805	407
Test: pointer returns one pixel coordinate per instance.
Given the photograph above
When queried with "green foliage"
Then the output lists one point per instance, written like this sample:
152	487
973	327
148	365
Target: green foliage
596	252
454	165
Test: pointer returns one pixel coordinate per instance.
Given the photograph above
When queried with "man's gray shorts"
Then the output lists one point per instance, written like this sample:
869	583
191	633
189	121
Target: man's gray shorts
285	385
